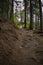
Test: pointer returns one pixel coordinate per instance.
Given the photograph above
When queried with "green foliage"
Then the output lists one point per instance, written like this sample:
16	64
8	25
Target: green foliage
20	25
17	24
37	26
27	24
15	21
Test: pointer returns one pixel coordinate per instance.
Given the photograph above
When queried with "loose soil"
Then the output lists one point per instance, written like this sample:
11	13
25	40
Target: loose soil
19	46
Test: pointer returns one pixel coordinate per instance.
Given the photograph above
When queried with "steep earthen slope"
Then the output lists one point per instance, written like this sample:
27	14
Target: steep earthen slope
19	47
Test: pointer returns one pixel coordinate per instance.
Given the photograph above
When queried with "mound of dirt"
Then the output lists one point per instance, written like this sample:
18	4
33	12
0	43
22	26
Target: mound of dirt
19	47
8	38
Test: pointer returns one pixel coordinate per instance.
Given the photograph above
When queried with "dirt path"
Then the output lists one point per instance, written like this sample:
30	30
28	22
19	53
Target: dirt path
31	48
20	47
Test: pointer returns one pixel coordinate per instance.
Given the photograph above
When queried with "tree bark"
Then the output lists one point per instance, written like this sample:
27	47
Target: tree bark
40	8
31	16
25	14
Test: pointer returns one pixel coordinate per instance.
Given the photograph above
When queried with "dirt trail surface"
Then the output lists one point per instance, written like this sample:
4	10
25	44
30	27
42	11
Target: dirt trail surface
19	47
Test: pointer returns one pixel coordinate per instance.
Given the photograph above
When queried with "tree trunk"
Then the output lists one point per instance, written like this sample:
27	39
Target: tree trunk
11	14
31	16
25	14
40	7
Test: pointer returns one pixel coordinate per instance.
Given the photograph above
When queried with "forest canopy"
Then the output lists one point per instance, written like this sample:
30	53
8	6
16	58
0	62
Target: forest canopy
24	13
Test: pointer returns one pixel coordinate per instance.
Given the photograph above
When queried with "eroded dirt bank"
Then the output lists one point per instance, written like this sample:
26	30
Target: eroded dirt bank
19	47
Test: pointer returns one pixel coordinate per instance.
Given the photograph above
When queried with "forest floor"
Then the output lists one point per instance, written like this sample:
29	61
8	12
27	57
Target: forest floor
20	46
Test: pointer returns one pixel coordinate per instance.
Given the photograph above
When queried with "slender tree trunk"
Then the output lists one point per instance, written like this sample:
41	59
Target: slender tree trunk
40	7
25	14
31	16
11	14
